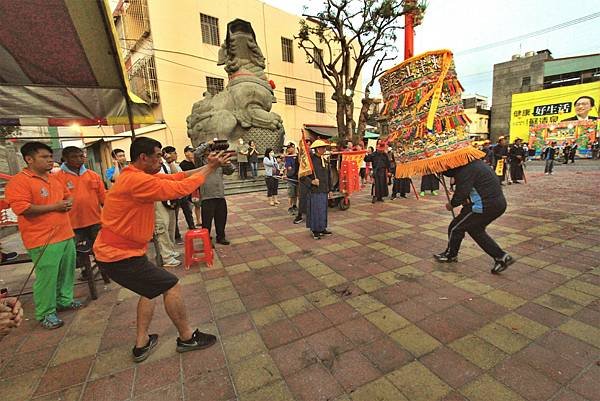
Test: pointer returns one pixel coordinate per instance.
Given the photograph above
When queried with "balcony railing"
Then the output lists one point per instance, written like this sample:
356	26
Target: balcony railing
136	24
142	76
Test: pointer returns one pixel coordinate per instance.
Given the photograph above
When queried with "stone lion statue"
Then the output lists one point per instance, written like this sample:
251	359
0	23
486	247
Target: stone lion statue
246	101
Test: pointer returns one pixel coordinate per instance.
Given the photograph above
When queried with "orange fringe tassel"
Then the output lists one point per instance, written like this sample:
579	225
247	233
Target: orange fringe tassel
438	164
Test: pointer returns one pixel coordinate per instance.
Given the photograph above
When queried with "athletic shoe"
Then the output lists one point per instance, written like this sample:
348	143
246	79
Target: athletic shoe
223	241
316	235
502	264
434	193
290	210
73	306
422	193
298	220
374	200
444	257
199	340
171	263
392	197
7	257
326	232
403	196
142	353
546	173
51	322
175	255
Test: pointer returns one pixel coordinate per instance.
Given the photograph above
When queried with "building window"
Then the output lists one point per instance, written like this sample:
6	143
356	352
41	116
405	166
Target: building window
526	81
320	97
214	85
287	50
210	29
318	56
290	96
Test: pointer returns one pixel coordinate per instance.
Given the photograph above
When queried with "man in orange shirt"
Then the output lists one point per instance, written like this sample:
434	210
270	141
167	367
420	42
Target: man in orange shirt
87	190
127	226
41	202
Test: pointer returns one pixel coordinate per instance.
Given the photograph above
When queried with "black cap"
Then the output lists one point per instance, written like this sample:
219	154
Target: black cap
188	149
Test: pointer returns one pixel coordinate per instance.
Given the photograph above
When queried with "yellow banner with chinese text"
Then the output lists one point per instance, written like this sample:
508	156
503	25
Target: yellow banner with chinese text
551	106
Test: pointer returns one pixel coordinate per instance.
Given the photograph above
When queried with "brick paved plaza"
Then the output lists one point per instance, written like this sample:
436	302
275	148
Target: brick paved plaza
362	315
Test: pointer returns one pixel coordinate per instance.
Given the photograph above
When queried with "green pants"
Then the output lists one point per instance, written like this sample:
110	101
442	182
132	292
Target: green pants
54	276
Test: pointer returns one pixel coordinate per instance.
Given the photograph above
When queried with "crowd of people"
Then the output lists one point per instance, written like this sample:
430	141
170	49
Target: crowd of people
59	207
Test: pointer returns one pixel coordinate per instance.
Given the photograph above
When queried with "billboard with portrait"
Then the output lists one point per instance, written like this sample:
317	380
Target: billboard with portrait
552	106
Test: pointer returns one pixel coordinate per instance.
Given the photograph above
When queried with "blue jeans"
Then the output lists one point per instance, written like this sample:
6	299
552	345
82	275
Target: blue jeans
254	168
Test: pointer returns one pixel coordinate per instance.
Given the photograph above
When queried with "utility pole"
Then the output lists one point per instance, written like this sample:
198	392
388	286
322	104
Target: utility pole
409	30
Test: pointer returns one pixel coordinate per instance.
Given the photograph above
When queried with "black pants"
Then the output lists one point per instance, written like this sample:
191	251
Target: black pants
475	223
187	212
243	167
303	194
215	209
184	203
272	185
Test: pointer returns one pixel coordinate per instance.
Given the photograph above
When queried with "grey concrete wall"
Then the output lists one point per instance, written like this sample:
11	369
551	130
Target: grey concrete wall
508	77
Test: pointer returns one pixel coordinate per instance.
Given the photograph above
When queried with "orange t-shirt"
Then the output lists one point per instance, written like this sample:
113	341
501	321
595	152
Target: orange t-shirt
26	189
88	194
128	213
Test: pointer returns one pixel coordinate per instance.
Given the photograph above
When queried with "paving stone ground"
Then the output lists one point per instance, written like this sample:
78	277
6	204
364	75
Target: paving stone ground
363	315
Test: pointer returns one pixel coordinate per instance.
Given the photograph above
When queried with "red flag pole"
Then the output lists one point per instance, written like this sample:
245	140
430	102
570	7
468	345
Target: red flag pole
409	32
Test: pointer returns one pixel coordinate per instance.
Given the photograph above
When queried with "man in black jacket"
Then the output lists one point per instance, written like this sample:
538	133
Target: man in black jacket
548	155
381	166
480	194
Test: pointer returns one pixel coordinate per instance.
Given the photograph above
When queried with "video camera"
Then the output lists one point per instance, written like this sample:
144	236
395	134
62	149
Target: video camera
218	145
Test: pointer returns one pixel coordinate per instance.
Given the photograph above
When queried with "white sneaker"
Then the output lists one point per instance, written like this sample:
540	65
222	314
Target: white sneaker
175	255
171	263
547	173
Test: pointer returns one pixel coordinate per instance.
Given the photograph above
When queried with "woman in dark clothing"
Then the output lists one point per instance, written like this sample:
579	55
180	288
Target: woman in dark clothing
429	182
320	188
516	156
381	166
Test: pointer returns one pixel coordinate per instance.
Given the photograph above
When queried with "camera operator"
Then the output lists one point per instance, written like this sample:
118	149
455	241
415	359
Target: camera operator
212	194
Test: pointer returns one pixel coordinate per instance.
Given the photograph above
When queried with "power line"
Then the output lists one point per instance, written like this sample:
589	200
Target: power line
217	75
563	25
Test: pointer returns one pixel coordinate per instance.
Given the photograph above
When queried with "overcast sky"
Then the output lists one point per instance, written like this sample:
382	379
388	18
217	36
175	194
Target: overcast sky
460	25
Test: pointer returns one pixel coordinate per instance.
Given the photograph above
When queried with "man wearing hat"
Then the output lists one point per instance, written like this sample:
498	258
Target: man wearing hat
381	166
320	189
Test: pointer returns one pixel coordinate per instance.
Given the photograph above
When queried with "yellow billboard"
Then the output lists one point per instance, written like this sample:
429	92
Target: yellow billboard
550	106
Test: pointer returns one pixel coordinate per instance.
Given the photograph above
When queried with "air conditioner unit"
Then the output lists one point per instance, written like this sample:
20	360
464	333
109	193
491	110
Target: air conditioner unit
529	54
516	57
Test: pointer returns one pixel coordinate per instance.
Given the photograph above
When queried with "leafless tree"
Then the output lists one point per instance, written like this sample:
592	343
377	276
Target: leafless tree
344	39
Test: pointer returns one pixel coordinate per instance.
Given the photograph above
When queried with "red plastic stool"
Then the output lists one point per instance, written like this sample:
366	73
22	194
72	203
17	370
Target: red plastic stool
191	253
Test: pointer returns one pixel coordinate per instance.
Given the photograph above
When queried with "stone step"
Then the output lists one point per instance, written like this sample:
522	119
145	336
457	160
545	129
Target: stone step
237	186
